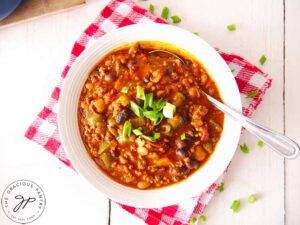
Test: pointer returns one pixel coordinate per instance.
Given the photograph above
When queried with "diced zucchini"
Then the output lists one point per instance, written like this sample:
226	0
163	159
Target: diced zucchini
103	147
107	160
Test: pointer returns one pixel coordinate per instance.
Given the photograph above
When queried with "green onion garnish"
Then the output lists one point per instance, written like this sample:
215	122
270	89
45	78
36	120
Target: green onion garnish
196	33
262	60
148	102
138	132
175	19
202	218
151	8
159	105
260	143
231	27
252	94
124	90
182	136
193	221
244	147
165	13
221	187
235	206
154	116
127	129
169	110
252	199
140	93
167	128
136	109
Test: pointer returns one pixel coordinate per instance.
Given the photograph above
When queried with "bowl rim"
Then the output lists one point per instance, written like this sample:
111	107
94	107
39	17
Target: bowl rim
113	190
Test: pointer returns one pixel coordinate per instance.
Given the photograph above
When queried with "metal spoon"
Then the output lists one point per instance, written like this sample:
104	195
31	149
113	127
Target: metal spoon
278	142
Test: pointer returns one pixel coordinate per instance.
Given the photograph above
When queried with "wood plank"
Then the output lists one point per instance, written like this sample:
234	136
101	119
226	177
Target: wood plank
259	31
292	108
32	9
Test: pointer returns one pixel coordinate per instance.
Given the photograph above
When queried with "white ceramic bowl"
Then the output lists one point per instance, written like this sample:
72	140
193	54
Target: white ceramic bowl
69	131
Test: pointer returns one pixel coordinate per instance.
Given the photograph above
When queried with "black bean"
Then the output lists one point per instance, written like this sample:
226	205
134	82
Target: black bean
182	152
192	163
110	77
180	144
180	172
122	116
146	78
115	152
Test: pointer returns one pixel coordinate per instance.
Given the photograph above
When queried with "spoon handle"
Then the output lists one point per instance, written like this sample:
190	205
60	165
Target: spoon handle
278	142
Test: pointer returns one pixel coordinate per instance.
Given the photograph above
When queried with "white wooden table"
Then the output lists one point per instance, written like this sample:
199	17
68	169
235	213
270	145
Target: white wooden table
33	54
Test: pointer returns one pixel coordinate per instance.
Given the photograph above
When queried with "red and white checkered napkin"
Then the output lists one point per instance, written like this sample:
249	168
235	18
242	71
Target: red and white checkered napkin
119	13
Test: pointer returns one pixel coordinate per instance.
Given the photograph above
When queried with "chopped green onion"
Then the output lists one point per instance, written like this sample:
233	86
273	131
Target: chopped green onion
231	27
159	105
165	13
136	109
140	93
260	143
124	90
196	33
182	136
107	160
148	102
262	60
252	199
151	8
221	187
252	94
154	116
127	129
167	128
137	132
175	19
244	147
202	218
169	110
193	221
235	206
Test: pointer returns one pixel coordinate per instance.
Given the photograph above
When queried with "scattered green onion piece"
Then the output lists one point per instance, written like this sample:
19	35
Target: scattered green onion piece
235	206
159	105
252	94
167	128
182	136
124	90
137	132
262	60
165	13
202	218
148	102
252	199
260	143
151	8
221	187
196	33
140	93
193	221
127	129
169	110
175	19
136	109
154	116
244	147
231	27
